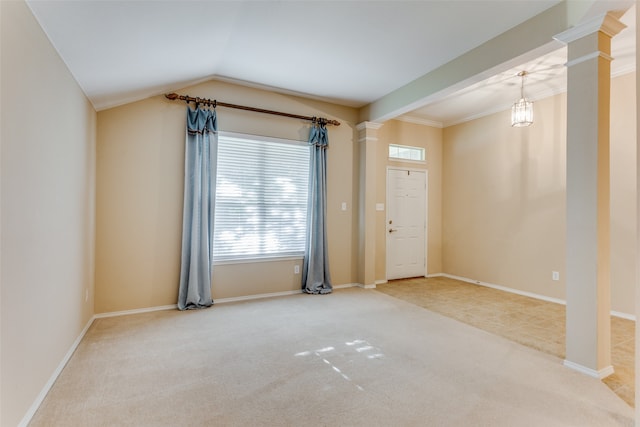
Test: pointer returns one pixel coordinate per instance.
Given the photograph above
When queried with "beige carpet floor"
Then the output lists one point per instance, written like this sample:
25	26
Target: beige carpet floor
351	358
528	321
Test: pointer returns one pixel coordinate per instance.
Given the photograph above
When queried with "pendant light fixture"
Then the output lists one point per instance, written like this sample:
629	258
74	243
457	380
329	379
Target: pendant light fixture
522	110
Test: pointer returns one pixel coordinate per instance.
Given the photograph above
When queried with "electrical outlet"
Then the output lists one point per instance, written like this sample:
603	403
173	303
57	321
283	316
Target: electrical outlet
555	275
296	269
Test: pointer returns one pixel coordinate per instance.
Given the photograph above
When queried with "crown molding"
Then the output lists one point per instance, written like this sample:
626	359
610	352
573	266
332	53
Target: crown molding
287	92
621	71
419	121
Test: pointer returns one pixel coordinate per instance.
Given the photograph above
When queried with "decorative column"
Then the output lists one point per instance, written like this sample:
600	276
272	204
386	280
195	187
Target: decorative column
588	321
367	137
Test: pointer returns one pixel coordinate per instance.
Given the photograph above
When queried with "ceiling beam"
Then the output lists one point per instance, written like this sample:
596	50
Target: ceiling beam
527	41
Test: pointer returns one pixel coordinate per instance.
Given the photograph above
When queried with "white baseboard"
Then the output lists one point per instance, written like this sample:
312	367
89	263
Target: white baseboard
381	282
371	286
216	301
135	311
506	289
602	373
623	315
524	293
45	390
256	296
348	285
273	294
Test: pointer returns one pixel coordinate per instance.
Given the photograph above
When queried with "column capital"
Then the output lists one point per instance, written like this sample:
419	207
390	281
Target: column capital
605	23
368	125
367	131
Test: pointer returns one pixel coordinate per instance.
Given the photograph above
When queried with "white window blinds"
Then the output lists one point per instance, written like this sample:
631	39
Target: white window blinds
261	197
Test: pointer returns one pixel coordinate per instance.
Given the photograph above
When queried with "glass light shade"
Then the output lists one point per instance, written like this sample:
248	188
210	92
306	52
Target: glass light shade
522	113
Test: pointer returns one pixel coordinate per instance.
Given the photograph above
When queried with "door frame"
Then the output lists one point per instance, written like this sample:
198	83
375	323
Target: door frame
426	217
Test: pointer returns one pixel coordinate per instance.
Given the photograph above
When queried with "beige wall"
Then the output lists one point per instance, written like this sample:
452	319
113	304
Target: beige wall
429	138
140	167
504	198
47	211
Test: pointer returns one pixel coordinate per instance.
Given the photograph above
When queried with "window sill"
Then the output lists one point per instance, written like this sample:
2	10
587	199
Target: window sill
395	159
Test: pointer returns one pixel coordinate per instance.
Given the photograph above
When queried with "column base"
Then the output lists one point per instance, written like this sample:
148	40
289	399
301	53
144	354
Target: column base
600	374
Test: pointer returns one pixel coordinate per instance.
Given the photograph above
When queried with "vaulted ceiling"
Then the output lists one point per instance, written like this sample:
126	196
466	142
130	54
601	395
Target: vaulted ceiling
349	52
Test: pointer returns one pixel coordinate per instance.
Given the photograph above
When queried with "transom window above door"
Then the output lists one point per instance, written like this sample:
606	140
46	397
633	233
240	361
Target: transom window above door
406	152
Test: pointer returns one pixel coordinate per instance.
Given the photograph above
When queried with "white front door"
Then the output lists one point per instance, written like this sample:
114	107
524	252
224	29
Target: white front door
406	223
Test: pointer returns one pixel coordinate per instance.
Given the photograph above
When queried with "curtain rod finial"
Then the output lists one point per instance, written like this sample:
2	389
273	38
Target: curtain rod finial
172	96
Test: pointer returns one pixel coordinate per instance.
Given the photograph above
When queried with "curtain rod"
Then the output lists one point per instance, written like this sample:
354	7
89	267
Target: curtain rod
187	98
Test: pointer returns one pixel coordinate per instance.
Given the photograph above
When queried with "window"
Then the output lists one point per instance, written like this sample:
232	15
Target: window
261	197
405	152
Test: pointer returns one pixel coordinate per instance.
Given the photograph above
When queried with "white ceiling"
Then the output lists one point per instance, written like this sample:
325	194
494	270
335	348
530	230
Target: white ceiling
349	52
